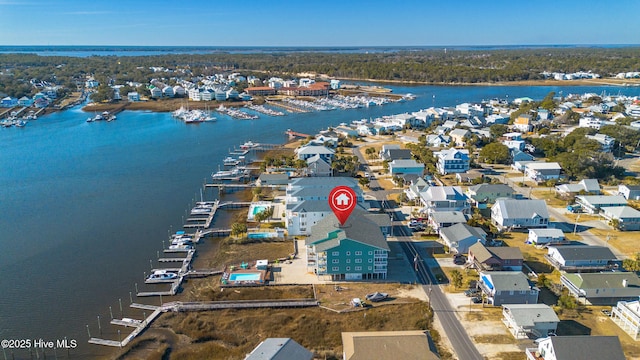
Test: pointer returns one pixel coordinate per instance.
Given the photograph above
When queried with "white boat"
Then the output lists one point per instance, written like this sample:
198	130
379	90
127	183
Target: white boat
181	247
162	275
229	161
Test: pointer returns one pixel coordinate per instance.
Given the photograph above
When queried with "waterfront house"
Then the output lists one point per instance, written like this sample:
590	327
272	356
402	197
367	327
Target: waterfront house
452	161
626	314
179	91
279	349
356	251
156	92
444	198
442	219
41	102
483	194
526	321
261	91
581	258
25	101
317	166
520	214
585	186
604	288
507	287
630	192
541	237
8	102
593	204
577	347
388	345
542	171
523	123
399	167
625	218
495	258
133	96
167	91
460	237
606	142
309	151
277	179
459	136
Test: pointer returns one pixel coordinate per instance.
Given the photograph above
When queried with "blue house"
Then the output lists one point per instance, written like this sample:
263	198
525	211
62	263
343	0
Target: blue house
9	102
403	166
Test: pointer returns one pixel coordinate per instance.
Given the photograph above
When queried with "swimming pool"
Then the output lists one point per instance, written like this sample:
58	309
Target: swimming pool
262	235
244	277
258	209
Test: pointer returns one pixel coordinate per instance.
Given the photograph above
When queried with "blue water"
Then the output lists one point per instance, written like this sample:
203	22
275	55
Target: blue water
85	206
244	277
258	209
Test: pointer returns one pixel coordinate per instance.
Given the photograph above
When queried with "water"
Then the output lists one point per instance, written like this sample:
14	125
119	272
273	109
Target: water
85	206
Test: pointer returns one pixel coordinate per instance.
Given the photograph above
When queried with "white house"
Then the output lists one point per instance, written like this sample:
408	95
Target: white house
606	142
526	214
541	237
444	198
133	96
530	320
593	204
576	347
626	314
581	258
542	171
452	161
306	152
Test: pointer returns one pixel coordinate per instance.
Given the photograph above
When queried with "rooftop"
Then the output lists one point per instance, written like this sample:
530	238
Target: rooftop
387	345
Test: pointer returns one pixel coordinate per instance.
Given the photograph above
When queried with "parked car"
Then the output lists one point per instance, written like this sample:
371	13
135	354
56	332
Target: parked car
606	312
476	299
471	292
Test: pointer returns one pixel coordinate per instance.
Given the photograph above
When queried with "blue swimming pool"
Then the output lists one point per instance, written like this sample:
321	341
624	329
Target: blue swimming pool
244	277
261	235
258	209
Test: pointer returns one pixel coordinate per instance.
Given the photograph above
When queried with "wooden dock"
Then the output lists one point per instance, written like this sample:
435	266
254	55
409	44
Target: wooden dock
143	306
125	323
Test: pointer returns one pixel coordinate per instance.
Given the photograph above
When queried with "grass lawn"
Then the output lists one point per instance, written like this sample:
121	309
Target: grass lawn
627	242
467	275
549	197
234	253
339	298
533	256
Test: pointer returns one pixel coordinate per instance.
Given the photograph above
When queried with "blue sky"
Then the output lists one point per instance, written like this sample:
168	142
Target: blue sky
318	23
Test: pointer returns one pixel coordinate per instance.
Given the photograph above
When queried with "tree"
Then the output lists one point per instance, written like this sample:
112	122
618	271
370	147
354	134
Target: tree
257	192
238	228
632	264
364	181
566	301
498	130
495	153
456	278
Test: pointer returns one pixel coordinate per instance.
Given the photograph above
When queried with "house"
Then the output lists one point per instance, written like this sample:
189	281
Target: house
395	154
156	92
415	188
585	186
582	258
279	179
523	123
507	287
444	198
495	258
279	349
460	237
25	101
525	214
518	155
133	96
356	251
307	201
626	314
542	171
317	166
437	140
577	347
452	161
541	237
606	142
306	152
8	102
398	167
593	204
630	192
470	176
459	136
624	218
520	165
604	288
484	194
442	219
530	320
388	345
167	91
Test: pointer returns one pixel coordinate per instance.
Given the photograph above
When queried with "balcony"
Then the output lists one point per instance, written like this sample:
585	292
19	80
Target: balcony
533	354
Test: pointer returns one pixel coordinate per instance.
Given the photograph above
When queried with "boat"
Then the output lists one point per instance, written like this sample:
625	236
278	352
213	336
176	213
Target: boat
229	161
21	123
181	247
376	296
248	145
162	275
98	117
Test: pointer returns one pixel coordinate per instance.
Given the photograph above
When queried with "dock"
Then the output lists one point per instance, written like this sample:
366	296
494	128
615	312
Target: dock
204	222
133	323
293	134
144	306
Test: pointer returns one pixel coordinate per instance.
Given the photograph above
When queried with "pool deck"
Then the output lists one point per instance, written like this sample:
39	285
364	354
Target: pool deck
264	277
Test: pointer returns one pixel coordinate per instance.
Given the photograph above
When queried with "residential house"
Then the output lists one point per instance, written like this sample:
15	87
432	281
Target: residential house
8	102
306	152
591	122
582	258
542	171
460	237
530	320
444	198
438	140
388	345
346	131
356	251
626	314
167	91
507	287
415	188
604	288
483	194
279	349
513	140
307	201
520	165
133	96
606	142
495	258
577	347
469	177
459	136
523	123
630	192
317	166
277	179
395	154
156	92
452	161
542	237
593	204
442	219
585	186
518	155
624	218
520	214
399	167
25	101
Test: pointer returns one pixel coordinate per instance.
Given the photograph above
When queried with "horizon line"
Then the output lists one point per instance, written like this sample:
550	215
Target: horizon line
327	46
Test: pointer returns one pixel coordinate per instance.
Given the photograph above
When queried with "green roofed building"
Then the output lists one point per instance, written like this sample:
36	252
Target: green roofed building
358	250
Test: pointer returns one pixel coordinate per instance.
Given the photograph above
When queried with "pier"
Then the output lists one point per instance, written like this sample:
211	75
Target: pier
287	107
293	134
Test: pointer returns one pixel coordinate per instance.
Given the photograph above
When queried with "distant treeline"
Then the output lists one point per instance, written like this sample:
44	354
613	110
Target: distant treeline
431	66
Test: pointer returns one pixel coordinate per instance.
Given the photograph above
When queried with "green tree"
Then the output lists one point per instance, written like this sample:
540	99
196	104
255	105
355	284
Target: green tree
456	278
566	301
632	264
238	228
498	130
364	181
495	153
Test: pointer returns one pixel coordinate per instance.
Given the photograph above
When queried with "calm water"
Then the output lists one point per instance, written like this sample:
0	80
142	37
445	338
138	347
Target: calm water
85	206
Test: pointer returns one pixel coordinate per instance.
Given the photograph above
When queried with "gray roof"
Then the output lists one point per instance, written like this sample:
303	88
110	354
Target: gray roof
585	252
591	185
521	209
272	177
527	315
359	227
313	149
549	232
459	132
491	188
508	280
324	181
406	163
440	217
394	154
622	212
459	232
603	199
607	280
279	349
587	347
316	158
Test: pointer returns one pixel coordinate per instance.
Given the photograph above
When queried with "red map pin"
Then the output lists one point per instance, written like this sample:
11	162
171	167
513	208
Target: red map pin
342	200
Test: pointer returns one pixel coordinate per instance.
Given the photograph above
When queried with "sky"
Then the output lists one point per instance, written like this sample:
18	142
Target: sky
319	23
